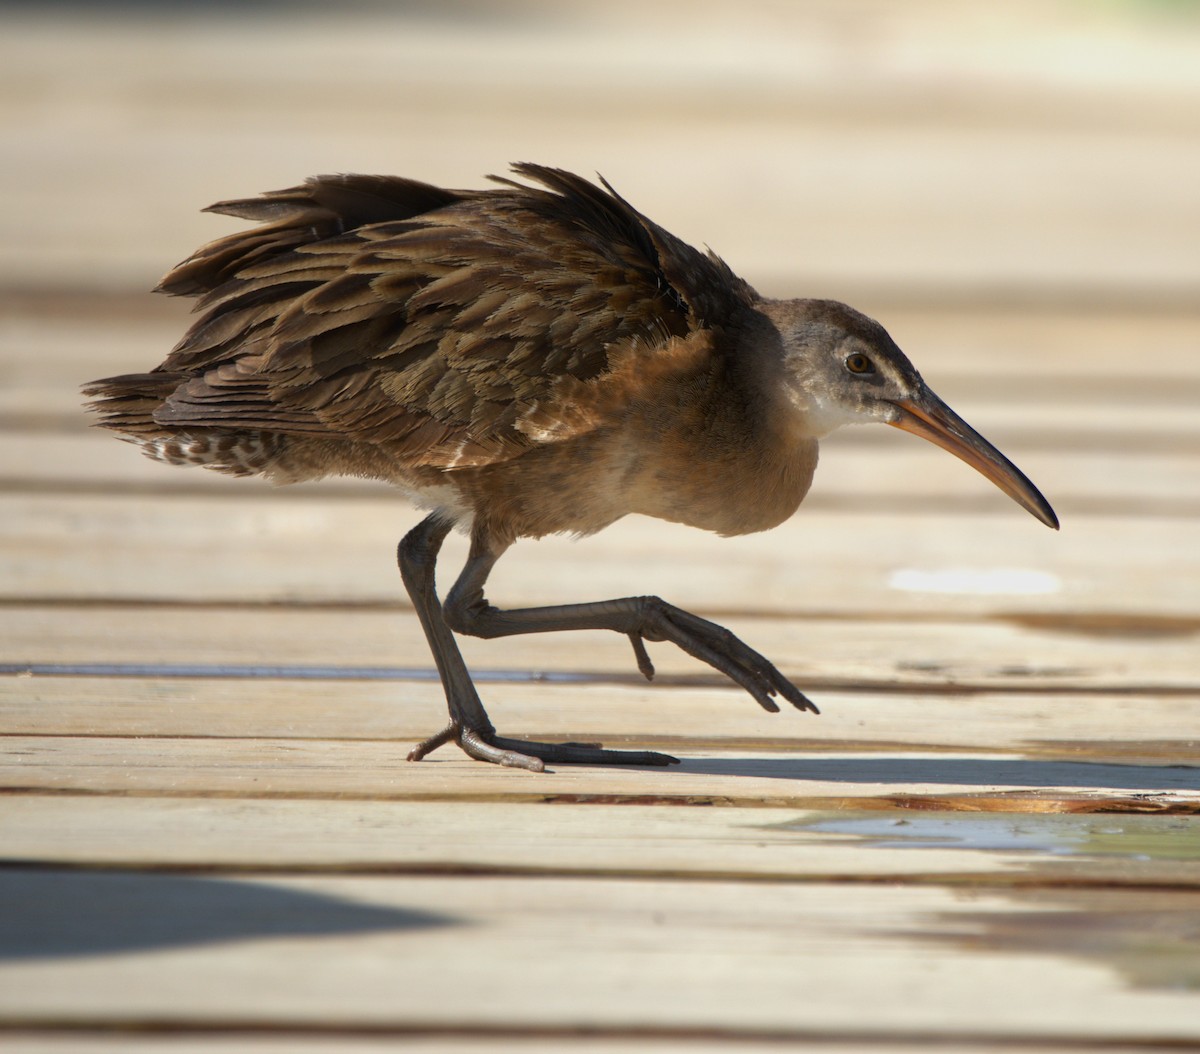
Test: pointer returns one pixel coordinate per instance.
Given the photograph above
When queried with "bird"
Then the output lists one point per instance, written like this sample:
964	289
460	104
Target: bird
533	358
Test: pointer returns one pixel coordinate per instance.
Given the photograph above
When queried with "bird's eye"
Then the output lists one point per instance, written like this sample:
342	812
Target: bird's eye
859	363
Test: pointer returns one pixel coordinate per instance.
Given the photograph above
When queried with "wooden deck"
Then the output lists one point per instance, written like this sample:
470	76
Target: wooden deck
990	837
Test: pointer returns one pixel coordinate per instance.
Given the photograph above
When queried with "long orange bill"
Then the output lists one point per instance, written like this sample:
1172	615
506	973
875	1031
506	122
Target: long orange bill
930	418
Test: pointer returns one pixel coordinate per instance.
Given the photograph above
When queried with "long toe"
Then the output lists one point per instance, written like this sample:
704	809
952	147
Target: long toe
477	745
532	755
723	651
507	752
582	753
794	696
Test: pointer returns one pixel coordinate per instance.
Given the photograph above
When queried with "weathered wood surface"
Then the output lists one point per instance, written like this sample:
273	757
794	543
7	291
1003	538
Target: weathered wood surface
390	716
726	954
293	768
550	1041
304	549
988	839
774	841
1063	651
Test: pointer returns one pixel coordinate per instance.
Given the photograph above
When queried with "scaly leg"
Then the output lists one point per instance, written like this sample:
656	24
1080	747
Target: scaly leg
469	725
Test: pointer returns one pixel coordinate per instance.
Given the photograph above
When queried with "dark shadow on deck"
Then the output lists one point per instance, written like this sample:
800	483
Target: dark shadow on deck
51	914
965	772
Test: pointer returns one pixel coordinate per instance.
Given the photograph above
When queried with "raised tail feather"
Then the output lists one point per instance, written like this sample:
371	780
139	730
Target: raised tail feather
127	405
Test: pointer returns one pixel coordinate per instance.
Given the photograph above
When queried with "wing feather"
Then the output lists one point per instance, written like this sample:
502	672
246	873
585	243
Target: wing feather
449	328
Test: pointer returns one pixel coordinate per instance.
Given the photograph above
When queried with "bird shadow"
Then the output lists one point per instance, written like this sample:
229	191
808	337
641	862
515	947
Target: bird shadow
971	772
51	914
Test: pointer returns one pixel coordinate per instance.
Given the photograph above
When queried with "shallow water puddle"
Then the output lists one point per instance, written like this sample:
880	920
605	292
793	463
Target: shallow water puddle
1134	837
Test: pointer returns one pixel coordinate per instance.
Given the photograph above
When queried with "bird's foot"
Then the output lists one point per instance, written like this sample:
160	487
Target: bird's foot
716	646
528	754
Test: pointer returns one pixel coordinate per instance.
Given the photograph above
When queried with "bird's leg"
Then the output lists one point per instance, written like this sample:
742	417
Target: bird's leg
469	725
466	610
417	557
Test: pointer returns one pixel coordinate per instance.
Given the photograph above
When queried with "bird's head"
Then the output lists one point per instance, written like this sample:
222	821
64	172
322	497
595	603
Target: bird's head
841	367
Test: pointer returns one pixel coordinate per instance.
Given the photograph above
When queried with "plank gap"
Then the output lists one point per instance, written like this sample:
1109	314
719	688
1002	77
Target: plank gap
1106	753
1168	507
980	882
892	1039
1064	685
1094	623
1018	801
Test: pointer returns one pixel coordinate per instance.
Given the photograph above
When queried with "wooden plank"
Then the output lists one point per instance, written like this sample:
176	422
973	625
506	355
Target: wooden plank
351	1041
58	333
863	471
1048	418
818	562
592	953
1014	651
450	1040
58	338
463	837
298	768
1135	728
977	348
1016	410
1116	438
1119	410
969	849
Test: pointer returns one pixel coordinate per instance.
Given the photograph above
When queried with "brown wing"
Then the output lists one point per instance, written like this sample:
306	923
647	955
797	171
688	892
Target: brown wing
438	324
